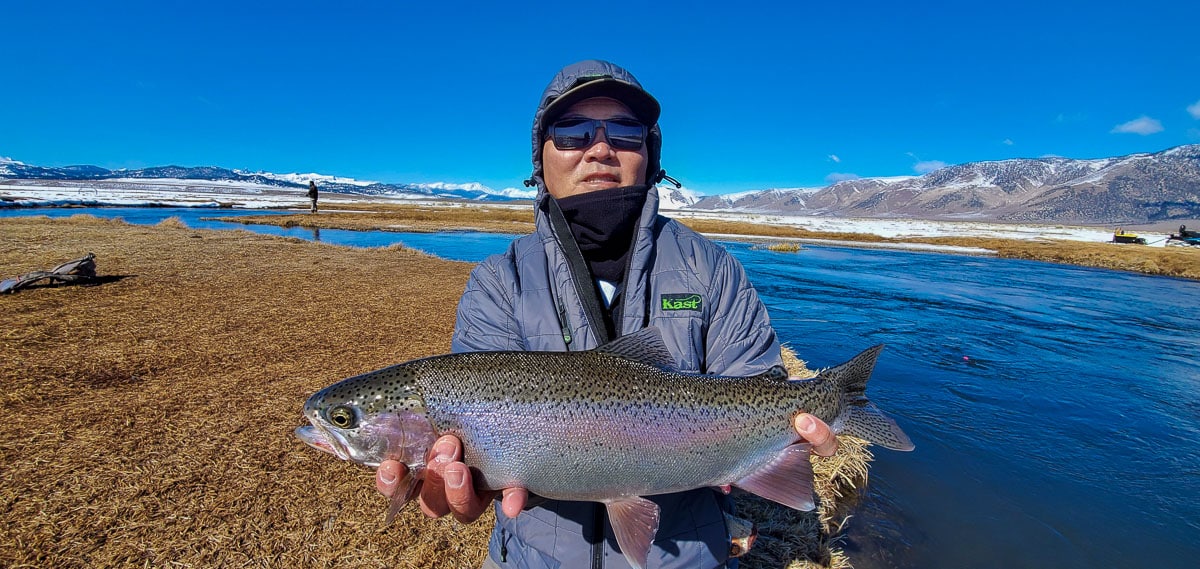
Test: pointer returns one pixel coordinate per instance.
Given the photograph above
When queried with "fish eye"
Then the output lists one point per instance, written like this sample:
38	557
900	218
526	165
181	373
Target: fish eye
342	417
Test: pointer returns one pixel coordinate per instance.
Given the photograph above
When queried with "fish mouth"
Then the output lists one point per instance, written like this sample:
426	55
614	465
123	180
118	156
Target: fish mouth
323	439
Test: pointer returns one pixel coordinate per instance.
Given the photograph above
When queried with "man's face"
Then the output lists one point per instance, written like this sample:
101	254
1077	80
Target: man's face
597	167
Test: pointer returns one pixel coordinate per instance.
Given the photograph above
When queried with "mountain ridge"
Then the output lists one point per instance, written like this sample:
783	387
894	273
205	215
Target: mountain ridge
1136	188
471	191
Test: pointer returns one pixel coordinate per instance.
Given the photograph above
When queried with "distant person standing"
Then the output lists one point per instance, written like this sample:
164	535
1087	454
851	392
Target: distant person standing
312	195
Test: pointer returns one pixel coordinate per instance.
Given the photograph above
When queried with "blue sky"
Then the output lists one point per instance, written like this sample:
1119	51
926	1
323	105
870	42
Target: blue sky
754	95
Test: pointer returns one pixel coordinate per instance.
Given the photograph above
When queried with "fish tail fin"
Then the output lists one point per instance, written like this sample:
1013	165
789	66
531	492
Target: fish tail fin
861	418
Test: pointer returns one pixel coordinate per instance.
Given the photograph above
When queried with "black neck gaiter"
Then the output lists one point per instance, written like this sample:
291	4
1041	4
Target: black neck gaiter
603	224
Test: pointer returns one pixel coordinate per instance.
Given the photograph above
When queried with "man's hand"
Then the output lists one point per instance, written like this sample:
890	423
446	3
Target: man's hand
448	488
817	433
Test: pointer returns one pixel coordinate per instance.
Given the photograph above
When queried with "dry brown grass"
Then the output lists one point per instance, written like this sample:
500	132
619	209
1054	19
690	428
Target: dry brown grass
1162	261
149	419
1179	262
408	218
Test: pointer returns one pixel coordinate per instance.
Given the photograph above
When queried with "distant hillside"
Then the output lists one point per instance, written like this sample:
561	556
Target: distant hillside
18	170
1130	189
1134	189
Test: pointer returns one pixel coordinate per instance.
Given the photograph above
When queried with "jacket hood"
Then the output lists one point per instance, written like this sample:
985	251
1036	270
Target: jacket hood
595	78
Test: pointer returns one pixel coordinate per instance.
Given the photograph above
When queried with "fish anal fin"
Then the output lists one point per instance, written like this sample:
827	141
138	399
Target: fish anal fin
787	479
634	522
867	422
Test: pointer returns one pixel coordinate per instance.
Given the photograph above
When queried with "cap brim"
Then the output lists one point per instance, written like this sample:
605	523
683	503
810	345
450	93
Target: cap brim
644	106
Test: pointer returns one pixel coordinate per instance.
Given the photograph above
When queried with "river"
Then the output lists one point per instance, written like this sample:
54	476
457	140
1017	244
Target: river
1055	409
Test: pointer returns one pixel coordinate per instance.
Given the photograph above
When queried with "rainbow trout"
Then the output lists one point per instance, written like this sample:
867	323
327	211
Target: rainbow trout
609	425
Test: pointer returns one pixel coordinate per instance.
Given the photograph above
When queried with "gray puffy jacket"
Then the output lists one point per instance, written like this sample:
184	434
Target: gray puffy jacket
530	298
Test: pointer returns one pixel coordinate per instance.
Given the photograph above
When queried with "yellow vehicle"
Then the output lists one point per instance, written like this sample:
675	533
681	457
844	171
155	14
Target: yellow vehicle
1122	236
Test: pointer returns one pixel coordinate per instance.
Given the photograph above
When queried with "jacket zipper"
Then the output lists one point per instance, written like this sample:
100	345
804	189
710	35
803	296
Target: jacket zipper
598	537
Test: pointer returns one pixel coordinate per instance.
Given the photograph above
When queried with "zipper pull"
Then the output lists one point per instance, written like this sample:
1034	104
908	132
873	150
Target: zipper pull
670	179
563	323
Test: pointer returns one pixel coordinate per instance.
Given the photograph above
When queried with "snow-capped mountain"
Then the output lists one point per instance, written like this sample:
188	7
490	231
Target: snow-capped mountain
326	183
670	197
1129	189
303	179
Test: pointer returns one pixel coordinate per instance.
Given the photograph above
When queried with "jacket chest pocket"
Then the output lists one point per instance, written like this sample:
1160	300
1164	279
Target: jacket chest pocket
683	332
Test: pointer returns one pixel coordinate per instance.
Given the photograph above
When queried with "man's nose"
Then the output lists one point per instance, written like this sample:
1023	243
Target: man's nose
600	148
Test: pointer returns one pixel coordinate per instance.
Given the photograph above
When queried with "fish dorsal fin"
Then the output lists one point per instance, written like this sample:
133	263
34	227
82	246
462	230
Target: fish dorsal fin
634	522
787	479
644	346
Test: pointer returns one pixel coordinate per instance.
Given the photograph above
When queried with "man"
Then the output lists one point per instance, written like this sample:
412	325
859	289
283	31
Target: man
601	264
312	195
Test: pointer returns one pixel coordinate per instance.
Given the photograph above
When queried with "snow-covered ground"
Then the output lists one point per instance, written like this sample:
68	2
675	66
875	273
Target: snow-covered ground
169	192
927	228
203	193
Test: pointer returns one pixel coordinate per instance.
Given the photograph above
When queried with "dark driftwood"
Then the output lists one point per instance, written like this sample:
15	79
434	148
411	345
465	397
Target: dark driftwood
78	271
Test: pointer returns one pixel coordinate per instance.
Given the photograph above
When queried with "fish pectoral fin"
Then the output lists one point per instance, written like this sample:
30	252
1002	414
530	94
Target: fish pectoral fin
787	479
634	522
410	485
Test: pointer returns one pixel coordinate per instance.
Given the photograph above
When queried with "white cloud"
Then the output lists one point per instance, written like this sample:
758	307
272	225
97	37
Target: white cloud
1194	110
1007	142
835	158
1142	125
841	177
927	166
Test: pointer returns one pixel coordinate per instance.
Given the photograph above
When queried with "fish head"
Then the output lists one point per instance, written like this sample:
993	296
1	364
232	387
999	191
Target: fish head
370	418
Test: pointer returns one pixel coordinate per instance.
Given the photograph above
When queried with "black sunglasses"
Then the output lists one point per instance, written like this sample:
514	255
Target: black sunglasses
578	133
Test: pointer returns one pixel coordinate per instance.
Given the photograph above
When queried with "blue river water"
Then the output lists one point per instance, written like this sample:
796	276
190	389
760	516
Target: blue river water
1055	409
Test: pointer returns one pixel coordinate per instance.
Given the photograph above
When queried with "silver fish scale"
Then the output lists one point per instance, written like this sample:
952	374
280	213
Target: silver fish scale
591	425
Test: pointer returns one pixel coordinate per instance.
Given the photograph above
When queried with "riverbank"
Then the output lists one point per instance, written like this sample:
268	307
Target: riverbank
1160	261
151	417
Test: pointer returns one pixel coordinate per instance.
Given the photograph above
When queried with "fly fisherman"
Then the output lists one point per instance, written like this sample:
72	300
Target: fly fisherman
602	264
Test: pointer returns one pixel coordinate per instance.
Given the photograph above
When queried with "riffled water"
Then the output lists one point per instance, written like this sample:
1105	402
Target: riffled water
1055	409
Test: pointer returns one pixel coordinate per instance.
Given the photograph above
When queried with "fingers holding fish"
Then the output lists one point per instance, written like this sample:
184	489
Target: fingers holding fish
514	500
433	500
389	473
817	433
449	486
